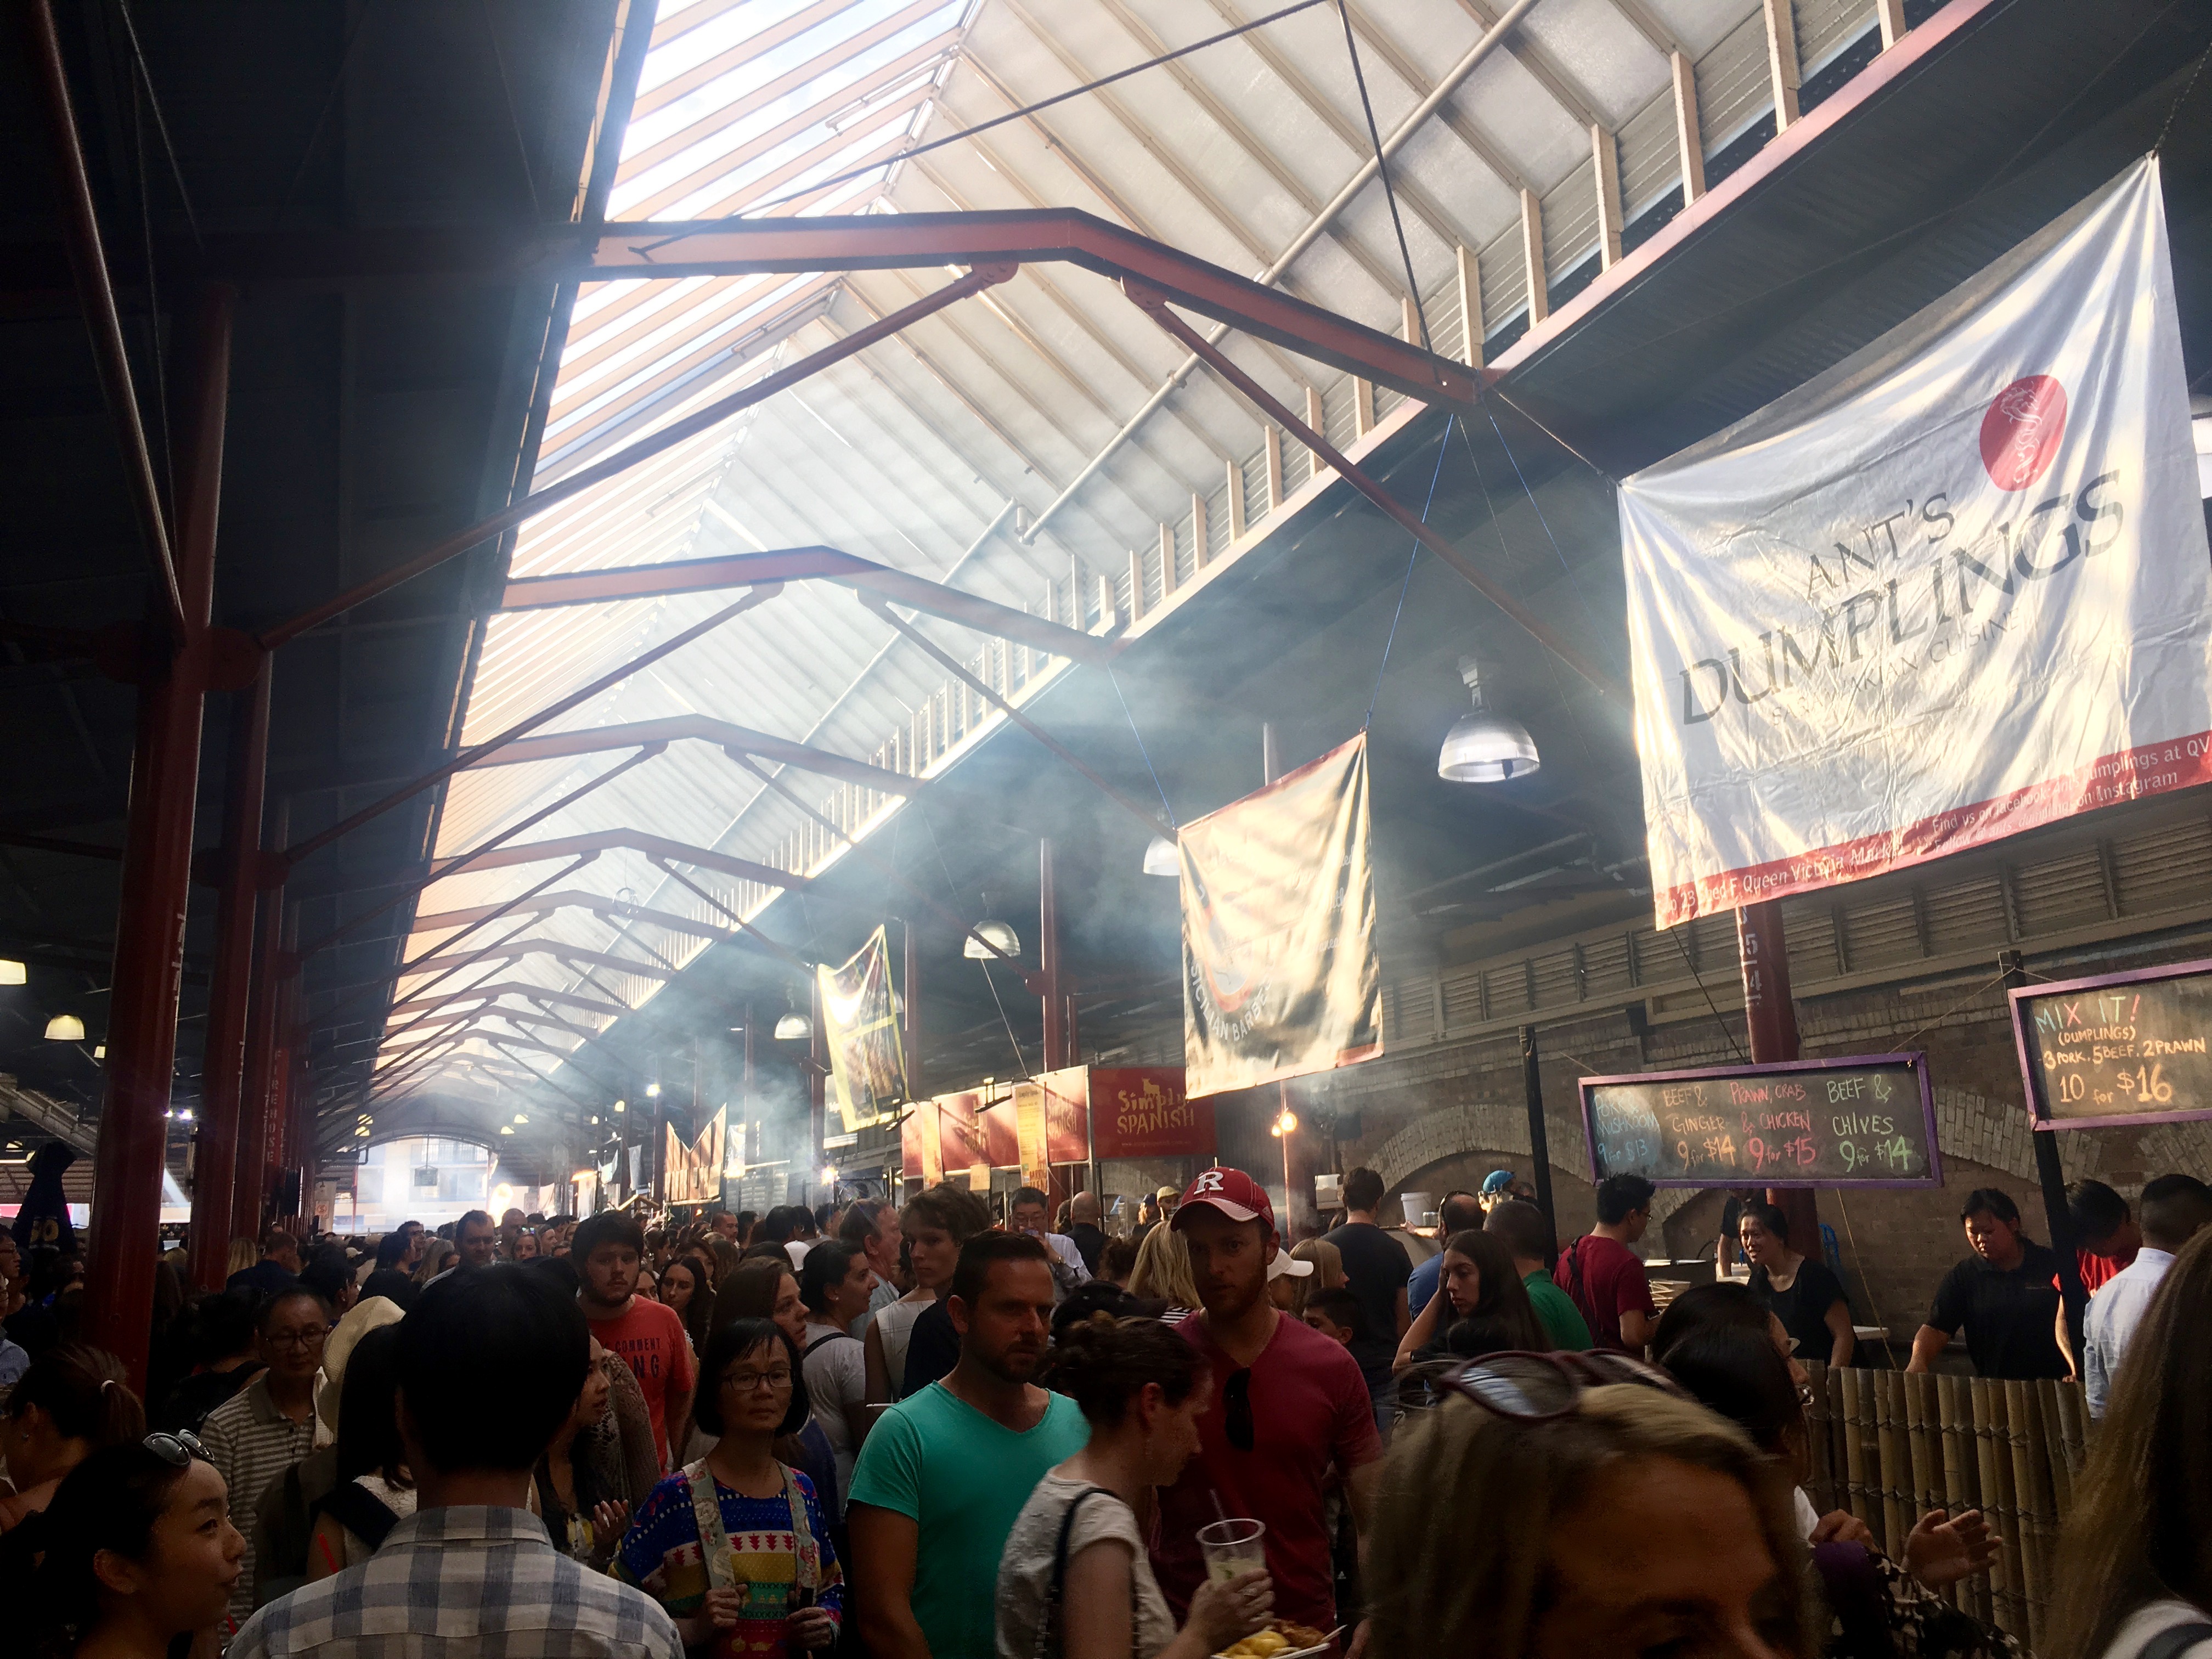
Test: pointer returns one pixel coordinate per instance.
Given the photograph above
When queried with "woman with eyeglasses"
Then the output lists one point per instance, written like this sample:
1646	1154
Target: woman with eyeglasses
134	1554
767	1287
1075	1581
1593	1510
71	1402
737	1545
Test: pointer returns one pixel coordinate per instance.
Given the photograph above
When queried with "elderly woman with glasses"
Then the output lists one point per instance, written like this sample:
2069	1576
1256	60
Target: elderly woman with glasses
737	1545
136	1551
270	1425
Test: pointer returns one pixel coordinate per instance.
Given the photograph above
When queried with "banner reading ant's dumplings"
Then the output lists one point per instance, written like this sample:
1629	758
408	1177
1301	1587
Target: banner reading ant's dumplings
1950	590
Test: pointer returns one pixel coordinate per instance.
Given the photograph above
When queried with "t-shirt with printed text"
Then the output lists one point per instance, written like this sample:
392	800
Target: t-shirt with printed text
649	1338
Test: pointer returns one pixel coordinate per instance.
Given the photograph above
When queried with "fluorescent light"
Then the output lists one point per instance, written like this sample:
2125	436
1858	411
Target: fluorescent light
12	973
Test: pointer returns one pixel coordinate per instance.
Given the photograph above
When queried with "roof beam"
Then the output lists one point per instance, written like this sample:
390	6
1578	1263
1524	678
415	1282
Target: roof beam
635	841
515	987
559	950
504	257
675	728
796	564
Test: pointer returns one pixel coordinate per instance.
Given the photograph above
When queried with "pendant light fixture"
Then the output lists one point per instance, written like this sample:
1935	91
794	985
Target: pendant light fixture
793	1027
1484	747
1161	858
1003	939
64	1028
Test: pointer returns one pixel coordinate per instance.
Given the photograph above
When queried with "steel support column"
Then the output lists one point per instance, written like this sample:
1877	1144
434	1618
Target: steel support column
149	944
2051	1176
817	1082
249	1185
1539	1139
1055	999
230	988
912	990
1771	1019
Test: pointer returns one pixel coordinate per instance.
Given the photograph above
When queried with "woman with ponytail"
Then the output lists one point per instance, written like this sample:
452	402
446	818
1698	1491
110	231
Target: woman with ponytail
71	1402
1075	1581
133	1559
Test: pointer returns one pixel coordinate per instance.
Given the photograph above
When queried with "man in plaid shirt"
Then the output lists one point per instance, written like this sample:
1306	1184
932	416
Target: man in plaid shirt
491	1364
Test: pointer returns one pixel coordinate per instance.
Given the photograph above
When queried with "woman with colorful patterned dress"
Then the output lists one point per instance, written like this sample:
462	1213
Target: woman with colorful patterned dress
736	1546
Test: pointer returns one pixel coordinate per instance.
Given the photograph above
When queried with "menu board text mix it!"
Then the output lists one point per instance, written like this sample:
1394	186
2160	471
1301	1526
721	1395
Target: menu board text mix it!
2132	1047
1867	1121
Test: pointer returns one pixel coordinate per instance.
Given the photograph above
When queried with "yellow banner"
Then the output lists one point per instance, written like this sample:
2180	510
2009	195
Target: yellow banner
861	1028
1279	974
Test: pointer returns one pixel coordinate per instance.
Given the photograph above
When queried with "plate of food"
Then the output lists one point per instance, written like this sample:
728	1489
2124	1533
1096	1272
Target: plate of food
1282	1638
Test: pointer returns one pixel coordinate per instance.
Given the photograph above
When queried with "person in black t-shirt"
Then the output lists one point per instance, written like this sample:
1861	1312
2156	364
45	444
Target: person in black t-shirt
1797	1289
2005	1296
1376	1269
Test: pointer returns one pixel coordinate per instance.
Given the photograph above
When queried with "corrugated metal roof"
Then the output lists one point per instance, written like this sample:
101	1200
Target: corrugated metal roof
1017	444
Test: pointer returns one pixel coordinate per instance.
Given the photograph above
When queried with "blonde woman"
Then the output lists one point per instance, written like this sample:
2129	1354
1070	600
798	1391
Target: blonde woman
1163	1274
1596	1510
437	1256
1289	1290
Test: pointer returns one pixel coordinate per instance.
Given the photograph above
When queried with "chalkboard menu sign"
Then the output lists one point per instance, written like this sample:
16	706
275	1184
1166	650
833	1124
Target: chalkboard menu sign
2119	1049
1865	1122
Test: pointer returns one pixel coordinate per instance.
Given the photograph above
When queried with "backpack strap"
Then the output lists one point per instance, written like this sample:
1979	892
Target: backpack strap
823	1340
714	1537
360	1511
2172	1643
1049	1640
809	1553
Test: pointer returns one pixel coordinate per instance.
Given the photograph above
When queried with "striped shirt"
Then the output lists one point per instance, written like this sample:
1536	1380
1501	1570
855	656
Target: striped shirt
463	1583
251	1442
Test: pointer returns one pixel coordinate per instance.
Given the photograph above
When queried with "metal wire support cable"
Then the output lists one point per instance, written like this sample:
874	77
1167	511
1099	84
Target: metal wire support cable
1142	750
1443	444
1383	171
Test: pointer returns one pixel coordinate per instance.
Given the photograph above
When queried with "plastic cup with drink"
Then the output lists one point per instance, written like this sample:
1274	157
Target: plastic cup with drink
1233	1548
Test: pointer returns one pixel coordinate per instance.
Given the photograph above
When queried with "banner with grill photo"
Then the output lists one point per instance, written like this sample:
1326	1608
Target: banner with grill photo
1279	974
1950	590
861	1028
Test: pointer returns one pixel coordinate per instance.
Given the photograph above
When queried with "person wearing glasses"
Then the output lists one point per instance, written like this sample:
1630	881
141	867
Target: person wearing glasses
267	1426
736	1547
1290	1407
1594	1509
136	1551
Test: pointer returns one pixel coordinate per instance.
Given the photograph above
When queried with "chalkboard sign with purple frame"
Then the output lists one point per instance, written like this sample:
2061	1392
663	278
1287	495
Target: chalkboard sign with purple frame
2132	1047
1860	1121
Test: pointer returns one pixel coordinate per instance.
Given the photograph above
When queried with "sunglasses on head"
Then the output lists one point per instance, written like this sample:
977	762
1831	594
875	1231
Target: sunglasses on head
1540	1388
178	1450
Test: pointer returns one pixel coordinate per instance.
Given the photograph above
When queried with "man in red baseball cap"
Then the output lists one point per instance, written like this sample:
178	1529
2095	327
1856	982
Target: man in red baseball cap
1287	1404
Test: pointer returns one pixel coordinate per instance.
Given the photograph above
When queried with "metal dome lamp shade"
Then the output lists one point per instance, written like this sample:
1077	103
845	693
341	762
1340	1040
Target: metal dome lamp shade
793	1027
64	1028
1161	858
1002	940
1483	747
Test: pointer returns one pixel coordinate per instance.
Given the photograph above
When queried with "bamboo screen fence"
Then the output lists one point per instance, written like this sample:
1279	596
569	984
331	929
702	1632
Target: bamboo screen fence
1889	1447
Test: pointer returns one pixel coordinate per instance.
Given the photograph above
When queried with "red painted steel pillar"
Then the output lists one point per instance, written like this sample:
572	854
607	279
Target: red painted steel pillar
149	941
1772	1017
230	989
817	1084
1055	1000
249	1184
913	1033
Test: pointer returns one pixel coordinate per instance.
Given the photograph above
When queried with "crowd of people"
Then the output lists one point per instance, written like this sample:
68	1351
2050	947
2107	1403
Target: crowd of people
933	1431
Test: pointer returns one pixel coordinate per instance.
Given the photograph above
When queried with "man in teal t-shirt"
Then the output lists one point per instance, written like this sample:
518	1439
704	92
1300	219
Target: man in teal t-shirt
943	1475
1525	1232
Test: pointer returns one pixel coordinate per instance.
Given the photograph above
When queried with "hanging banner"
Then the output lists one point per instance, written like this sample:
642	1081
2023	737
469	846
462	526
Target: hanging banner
1143	1112
860	1028
694	1173
1279	967
1950	590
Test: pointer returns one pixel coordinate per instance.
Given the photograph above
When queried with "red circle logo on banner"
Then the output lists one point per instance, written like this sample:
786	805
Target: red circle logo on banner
2021	430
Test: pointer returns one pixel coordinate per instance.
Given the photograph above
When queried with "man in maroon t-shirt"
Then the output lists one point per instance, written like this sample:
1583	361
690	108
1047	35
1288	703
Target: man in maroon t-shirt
1605	1277
1288	1405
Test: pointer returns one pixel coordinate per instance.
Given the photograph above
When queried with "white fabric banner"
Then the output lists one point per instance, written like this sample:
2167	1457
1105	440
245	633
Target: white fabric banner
1950	590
